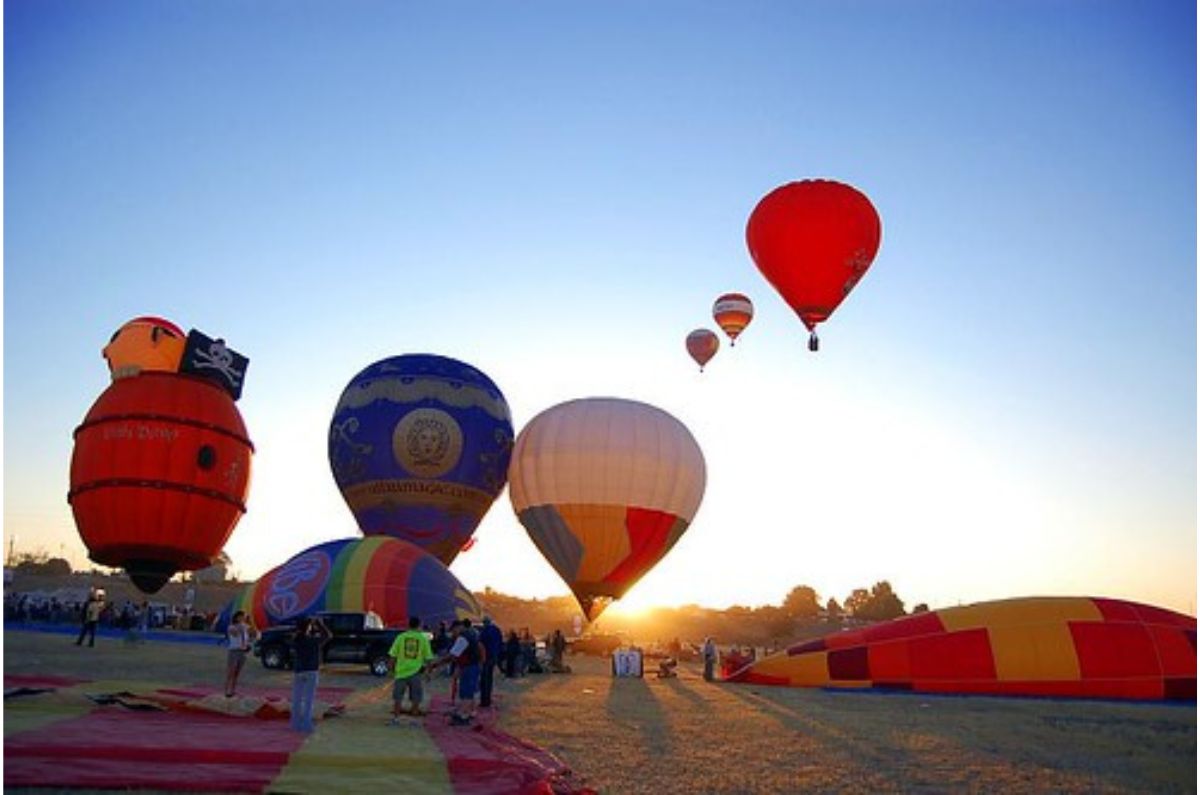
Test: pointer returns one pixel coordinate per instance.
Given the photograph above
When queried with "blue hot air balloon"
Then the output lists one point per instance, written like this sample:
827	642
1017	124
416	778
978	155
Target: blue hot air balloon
419	445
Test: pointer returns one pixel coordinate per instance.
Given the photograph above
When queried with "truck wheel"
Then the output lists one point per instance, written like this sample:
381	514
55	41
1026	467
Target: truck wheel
379	665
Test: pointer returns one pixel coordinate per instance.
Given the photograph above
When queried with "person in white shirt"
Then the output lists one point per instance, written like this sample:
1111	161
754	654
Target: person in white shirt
372	620
241	635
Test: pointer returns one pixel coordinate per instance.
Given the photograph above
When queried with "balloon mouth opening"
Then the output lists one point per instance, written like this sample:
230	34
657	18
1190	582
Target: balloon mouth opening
149	575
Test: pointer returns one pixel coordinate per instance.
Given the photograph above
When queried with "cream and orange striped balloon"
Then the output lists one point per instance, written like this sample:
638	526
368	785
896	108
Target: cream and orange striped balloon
733	312
605	487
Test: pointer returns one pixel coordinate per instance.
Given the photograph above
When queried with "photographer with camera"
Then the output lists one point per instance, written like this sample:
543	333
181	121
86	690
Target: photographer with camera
311	636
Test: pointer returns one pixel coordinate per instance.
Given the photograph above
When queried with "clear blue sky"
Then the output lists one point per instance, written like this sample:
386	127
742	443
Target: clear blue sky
556	193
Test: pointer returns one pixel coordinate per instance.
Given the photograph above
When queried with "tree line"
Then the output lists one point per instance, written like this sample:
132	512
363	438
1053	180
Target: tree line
879	603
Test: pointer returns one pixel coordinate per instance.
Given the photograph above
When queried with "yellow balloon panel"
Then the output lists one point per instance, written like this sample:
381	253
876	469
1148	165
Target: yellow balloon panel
1019	612
600	529
1037	652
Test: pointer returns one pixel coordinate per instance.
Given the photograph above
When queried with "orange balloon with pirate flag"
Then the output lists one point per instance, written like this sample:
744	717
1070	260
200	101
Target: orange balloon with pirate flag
160	470
605	487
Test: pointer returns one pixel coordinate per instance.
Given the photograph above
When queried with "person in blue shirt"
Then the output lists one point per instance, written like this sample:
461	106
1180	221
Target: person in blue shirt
493	642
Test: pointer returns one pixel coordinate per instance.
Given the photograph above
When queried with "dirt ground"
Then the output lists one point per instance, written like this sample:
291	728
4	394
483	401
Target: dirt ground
688	735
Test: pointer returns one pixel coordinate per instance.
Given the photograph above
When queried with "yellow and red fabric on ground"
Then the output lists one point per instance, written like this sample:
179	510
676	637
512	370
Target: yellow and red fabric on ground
63	732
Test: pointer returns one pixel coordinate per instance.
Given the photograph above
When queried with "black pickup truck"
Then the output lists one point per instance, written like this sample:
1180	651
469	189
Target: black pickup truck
352	642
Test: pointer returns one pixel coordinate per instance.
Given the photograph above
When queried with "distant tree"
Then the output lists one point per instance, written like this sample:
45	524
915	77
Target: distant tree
920	608
41	563
833	609
856	602
882	605
801	602
776	621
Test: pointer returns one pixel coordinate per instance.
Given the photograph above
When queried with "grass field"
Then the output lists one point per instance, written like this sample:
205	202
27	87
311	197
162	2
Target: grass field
687	735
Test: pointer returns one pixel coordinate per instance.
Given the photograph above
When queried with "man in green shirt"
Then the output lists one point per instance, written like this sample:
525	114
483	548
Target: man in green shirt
409	653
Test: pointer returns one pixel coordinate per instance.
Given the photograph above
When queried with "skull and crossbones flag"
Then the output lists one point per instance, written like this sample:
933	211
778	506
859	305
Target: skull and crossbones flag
209	358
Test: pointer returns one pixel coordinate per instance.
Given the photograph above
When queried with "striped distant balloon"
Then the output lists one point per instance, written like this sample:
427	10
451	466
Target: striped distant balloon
605	487
1043	646
702	345
733	312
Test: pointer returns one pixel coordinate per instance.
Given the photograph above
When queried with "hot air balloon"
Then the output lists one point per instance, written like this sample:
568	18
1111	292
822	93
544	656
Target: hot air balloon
419	446
605	487
392	577
813	241
1040	646
733	312
702	345
159	475
144	343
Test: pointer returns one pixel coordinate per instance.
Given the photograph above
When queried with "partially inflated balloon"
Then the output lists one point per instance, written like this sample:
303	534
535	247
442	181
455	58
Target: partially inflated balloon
702	345
394	578
605	487
813	241
733	312
1039	646
419	446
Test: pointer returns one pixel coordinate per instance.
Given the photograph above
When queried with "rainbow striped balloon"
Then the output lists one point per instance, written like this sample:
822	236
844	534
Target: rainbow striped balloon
392	577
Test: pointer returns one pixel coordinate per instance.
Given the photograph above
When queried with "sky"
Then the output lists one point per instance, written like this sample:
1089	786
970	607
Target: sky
557	192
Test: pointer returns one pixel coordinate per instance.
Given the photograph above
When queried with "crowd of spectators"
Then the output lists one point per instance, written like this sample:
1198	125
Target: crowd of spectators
36	608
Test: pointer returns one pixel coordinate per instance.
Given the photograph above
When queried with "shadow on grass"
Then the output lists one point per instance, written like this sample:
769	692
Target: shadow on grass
632	703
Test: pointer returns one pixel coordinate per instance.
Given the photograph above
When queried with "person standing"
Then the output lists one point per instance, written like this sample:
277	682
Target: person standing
407	658
466	654
710	658
493	643
512	651
558	645
371	619
311	635
241	635
91	617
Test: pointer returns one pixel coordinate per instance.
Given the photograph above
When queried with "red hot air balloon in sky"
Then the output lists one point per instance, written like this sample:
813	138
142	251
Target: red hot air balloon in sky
702	345
813	241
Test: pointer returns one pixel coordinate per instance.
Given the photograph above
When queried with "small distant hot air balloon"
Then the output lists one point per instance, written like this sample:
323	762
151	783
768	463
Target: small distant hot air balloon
605	487
813	241
702	345
394	578
733	312
159	475
144	343
419	446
